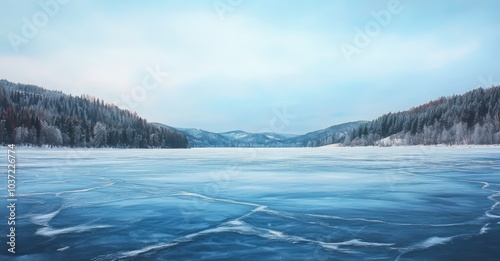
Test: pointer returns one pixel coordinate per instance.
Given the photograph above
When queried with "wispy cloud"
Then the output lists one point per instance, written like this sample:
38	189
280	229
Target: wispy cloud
260	55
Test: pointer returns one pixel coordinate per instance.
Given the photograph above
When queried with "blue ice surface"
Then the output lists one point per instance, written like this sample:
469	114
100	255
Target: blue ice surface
399	203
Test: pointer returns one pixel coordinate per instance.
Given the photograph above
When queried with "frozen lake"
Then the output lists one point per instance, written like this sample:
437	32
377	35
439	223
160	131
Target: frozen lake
413	203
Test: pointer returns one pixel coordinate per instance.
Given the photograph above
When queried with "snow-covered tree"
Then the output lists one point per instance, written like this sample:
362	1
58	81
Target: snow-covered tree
100	135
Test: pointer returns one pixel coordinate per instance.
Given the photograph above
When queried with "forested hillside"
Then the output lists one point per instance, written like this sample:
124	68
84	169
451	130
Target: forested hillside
330	135
471	118
30	115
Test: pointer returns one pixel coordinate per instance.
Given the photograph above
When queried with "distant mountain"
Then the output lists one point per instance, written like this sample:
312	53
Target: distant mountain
246	139
471	118
239	138
31	115
202	138
330	135
242	135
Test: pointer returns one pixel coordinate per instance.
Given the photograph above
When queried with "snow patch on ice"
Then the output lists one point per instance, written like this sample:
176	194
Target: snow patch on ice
50	232
62	249
44	219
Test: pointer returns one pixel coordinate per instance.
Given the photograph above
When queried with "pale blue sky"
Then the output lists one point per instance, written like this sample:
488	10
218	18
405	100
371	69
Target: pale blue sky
239	66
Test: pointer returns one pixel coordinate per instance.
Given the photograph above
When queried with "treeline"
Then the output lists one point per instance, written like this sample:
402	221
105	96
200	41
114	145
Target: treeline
30	115
471	118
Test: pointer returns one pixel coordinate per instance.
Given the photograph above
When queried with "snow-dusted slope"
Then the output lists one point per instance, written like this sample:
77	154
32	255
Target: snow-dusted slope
330	135
239	138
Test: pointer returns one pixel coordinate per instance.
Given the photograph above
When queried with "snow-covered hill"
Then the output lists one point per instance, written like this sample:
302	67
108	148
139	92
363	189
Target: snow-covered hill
239	138
330	135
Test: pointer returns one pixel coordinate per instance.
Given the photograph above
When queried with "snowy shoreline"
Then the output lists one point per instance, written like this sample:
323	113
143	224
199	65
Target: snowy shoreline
416	146
326	146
